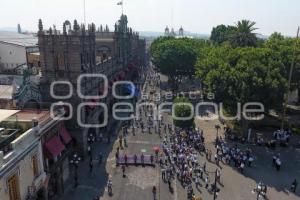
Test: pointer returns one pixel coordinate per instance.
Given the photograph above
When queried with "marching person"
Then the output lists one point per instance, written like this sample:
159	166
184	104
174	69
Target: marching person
109	186
154	192
294	186
278	164
123	170
206	182
142	159
91	166
135	159
151	159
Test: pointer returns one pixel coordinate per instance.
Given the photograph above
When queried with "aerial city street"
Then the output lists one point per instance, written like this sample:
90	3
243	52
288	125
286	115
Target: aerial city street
134	102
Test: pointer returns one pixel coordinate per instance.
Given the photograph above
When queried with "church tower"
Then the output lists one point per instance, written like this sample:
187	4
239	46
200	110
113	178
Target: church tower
181	32
167	31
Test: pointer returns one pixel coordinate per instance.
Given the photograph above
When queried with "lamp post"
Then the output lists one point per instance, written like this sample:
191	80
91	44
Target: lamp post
90	140
217	133
215	185
75	161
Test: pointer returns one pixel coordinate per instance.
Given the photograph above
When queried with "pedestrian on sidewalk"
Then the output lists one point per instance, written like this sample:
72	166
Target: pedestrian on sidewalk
204	167
142	159
125	141
120	142
163	174
151	159
91	166
154	192
135	159
169	183
123	171
206	182
125	159
294	186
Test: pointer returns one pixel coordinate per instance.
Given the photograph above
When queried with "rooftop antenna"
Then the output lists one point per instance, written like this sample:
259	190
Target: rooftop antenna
84	18
172	13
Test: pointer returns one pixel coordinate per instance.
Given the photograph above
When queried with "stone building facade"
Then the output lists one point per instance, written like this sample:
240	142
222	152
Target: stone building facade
119	55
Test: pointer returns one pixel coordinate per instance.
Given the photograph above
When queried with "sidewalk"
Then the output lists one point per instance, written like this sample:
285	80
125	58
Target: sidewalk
91	184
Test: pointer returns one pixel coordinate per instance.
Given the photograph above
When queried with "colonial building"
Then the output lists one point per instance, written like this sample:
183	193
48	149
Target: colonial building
119	55
31	166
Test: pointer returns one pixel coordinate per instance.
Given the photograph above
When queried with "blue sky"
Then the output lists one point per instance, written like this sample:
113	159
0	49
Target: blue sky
153	15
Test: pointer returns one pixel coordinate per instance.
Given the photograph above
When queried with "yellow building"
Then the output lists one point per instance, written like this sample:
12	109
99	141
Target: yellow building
22	173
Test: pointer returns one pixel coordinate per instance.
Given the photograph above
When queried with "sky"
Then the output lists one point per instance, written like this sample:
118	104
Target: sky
197	16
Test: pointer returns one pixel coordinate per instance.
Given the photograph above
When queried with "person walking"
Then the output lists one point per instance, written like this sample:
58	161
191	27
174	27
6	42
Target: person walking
91	166
294	186
142	159
123	171
154	192
206	182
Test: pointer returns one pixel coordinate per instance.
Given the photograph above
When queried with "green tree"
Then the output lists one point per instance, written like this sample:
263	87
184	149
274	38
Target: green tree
243	35
221	34
284	49
182	109
174	58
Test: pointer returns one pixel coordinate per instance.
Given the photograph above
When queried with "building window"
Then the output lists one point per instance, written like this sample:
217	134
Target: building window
35	165
14	188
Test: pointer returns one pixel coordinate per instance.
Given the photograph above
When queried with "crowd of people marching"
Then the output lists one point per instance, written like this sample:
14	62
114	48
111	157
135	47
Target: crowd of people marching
180	160
181	149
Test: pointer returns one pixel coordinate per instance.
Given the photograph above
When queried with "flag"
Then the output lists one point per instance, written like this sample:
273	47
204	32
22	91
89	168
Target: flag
120	3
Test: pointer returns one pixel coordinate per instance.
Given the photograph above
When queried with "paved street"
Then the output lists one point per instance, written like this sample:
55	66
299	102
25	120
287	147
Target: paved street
138	182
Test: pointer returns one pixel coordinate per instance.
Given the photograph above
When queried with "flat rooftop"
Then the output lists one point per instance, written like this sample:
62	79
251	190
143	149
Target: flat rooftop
18	39
6	92
28	115
5	114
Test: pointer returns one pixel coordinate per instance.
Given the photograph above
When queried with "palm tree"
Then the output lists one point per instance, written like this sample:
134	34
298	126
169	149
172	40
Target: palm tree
243	35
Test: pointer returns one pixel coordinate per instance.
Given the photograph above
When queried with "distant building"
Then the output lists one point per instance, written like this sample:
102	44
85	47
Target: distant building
14	51
19	28
181	32
172	33
167	31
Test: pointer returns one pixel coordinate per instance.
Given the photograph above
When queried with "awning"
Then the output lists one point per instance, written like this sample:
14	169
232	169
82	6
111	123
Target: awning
55	146
63	132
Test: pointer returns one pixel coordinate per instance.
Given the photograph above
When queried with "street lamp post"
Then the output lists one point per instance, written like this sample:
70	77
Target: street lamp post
90	140
75	161
217	133
215	185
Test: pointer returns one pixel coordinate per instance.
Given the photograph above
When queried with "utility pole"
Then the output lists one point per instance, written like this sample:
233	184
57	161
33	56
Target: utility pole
290	79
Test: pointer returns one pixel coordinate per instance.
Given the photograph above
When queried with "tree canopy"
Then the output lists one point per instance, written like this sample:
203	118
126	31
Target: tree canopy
240	35
181	109
221	34
243	75
174	58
